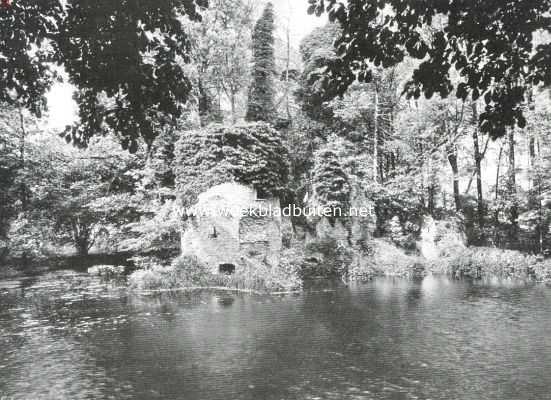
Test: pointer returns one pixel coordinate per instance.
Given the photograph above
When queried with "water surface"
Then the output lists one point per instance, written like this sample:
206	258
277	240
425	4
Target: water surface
68	336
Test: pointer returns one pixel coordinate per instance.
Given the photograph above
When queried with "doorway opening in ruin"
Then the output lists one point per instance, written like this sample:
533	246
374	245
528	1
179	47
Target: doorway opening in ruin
227	269
261	194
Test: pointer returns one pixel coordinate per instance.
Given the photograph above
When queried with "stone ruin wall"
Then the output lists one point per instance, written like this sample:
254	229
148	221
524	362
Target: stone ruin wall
233	239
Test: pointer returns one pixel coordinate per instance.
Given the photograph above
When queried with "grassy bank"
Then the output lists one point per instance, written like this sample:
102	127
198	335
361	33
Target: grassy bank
378	258
481	262
386	259
188	272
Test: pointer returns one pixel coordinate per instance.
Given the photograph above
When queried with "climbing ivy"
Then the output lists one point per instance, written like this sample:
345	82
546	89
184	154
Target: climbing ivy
251	154
260	105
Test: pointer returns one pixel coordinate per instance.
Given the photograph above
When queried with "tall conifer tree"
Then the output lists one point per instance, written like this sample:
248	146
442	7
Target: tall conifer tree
261	94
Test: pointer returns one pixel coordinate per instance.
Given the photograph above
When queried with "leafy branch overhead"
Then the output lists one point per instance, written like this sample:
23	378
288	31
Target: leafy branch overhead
124	57
490	43
26	76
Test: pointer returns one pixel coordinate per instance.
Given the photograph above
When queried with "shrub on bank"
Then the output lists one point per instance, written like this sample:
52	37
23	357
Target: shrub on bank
377	257
478	262
185	271
261	277
147	279
327	258
189	272
384	258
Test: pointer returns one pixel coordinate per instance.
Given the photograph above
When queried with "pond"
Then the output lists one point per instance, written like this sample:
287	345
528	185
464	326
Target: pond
65	335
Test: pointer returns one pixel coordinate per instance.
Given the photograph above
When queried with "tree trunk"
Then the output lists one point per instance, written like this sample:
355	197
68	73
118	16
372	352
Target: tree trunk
532	150
513	186
496	215
531	142
22	138
204	105
452	159
540	195
233	108
82	248
431	187
288	62
478	161
23	192
81	237
376	138
431	191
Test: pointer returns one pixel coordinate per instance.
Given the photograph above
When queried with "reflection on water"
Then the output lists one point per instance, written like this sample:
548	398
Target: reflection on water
67	335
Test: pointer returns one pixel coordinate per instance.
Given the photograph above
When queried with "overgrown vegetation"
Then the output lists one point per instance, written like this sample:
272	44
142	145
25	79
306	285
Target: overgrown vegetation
383	258
331	187
482	262
187	272
260	106
251	154
337	120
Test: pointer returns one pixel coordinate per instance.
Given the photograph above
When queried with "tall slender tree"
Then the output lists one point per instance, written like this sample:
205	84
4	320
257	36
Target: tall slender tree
478	167
512	189
260	106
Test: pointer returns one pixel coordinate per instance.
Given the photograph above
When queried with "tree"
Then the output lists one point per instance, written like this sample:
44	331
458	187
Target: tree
16	153
317	51
486	42
10	166
122	56
371	109
539	211
512	186
478	156
331	184
452	128
79	194
220	54
261	93
25	76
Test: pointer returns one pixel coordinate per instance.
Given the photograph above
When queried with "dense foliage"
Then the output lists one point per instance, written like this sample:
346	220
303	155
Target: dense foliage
25	75
220	46
251	154
125	59
316	51
331	186
10	164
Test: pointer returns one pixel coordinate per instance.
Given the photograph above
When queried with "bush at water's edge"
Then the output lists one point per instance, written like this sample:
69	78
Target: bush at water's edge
189	272
377	257
383	258
479	262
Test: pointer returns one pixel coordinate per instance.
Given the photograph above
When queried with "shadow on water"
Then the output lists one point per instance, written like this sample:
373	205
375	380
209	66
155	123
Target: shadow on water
72	262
